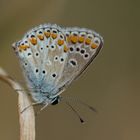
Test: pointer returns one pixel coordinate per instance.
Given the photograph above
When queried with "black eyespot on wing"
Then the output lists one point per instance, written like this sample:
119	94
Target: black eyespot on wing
48	30
40	32
52	46
86	55
82	51
62	59
71	49
37	54
77	49
73	62
54	31
54	75
29	54
32	36
36	70
75	34
43	71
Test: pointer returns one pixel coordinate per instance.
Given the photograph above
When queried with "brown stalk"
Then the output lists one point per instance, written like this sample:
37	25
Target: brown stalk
27	117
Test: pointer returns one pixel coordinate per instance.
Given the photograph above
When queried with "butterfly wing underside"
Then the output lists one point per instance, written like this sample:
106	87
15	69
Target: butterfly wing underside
84	45
42	54
52	57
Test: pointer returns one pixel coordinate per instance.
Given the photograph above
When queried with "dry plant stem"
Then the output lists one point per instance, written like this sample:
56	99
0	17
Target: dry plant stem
27	117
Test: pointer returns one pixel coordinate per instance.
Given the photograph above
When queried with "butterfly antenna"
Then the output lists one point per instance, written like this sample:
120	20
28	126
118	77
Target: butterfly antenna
83	103
77	114
87	105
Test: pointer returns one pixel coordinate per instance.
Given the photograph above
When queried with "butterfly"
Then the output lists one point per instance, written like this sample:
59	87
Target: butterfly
52	57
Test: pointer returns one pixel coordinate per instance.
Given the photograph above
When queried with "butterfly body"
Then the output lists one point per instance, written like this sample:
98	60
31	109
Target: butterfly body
52	57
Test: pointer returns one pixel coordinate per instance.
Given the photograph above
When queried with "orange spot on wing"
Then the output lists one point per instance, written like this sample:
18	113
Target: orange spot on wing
87	41
23	48
33	40
47	34
60	42
68	39
74	39
54	36
93	46
65	48
41	37
81	39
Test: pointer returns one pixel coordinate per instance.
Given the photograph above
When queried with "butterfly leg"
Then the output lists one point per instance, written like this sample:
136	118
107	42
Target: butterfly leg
33	104
42	109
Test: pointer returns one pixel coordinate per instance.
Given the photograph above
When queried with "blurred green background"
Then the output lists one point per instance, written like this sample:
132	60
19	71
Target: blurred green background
111	84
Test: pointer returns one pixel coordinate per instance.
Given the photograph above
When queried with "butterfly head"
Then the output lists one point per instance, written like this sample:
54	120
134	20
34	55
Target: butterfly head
56	100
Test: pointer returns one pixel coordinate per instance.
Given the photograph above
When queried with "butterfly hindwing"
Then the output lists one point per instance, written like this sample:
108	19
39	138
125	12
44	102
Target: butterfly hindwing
83	45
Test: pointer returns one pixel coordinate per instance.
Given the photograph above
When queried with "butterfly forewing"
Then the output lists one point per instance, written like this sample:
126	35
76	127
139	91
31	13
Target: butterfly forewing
52	57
